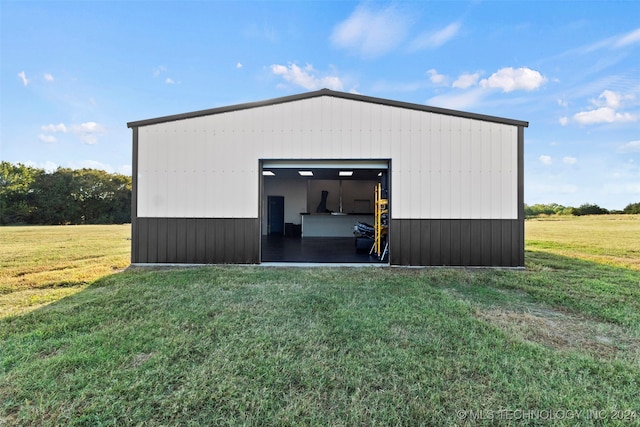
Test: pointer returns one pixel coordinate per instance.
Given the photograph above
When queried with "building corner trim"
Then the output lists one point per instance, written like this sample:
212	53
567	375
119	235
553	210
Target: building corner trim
134	196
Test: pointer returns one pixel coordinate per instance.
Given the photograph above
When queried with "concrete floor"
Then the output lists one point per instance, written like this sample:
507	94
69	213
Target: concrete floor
315	250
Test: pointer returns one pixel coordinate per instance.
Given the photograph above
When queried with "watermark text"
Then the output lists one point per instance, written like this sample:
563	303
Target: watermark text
630	415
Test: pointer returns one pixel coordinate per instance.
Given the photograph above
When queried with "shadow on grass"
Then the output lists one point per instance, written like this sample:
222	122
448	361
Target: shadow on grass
28	300
540	260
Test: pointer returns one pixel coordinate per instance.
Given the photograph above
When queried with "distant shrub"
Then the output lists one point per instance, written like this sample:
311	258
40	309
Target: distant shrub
589	209
632	208
542	210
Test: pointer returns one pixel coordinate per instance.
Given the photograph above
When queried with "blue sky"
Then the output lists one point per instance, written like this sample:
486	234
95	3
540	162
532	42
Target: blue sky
72	74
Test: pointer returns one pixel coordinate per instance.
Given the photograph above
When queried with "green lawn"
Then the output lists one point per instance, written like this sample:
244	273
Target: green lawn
557	344
41	264
605	239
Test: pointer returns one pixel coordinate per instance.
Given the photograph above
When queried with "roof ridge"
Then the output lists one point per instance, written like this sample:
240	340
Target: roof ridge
327	92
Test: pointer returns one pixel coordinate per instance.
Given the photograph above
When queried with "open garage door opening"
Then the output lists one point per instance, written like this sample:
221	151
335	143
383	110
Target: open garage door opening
332	211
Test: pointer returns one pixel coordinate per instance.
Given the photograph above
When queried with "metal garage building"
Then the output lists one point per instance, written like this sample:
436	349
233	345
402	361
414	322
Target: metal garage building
212	186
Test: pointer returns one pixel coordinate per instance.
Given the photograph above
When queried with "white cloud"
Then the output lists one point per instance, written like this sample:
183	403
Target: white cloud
307	77
510	79
630	147
603	115
629	38
60	127
48	166
569	160
465	81
83	129
88	127
87	132
125	170
49	139
447	33
436	38
609	98
159	70
94	164
371	33
507	79
545	160
562	102
564	120
474	92
438	79
89	164
48	77
23	77
88	138
238	65
615	42
607	109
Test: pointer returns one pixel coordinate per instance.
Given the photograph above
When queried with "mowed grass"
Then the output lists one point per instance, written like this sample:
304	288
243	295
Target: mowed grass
557	344
606	239
41	264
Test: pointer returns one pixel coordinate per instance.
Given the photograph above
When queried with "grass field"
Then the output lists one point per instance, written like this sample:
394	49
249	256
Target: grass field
557	344
42	264
609	239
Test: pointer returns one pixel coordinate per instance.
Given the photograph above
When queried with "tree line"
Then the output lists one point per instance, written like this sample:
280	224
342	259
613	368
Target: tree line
584	209
31	195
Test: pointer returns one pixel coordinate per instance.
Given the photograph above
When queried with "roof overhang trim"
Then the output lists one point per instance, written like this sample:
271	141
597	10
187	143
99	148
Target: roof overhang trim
332	93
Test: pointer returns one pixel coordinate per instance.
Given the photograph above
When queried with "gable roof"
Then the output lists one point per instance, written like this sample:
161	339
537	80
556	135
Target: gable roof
327	92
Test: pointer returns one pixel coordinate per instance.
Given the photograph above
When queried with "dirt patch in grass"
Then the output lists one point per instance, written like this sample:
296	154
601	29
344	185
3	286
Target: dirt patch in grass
565	331
140	359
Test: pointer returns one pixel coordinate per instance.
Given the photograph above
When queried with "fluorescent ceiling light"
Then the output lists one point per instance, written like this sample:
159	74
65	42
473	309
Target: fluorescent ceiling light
305	173
345	173
268	173
326	164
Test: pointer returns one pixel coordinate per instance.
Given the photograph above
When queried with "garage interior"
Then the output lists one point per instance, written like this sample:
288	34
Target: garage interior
321	211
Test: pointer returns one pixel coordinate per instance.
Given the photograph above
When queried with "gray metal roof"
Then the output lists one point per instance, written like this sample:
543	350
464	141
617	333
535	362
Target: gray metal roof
327	92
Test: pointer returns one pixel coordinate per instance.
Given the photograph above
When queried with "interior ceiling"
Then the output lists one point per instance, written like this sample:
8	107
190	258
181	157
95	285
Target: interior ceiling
325	173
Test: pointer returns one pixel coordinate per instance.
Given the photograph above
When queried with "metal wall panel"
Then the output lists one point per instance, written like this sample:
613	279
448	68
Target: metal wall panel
444	166
457	242
434	170
197	241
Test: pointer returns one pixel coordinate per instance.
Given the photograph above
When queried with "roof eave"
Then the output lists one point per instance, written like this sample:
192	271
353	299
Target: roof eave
327	92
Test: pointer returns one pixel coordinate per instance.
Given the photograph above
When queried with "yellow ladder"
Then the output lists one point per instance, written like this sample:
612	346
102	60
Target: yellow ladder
381	224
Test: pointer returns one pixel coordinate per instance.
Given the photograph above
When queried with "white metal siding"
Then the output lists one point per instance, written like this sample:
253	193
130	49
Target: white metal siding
442	166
